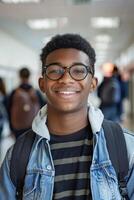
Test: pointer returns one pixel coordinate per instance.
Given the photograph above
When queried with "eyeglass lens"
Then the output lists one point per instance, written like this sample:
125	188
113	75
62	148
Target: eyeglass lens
77	72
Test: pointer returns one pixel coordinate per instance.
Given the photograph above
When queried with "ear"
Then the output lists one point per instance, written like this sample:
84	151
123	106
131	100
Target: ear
41	83
94	84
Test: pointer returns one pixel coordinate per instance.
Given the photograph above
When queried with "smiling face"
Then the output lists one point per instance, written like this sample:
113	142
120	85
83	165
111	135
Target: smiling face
66	94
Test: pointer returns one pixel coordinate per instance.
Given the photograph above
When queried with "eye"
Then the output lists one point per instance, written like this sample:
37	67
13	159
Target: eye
79	70
56	71
53	69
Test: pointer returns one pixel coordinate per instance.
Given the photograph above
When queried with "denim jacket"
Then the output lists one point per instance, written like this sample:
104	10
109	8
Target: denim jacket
39	180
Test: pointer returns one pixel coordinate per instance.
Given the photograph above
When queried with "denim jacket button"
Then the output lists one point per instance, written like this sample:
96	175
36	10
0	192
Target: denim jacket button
49	167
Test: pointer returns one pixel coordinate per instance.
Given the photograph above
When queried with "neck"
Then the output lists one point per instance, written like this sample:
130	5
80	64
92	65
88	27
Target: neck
67	123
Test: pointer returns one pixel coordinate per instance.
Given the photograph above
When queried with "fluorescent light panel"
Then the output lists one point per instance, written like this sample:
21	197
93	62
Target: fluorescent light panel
101	46
20	1
105	22
101	55
42	23
47	23
103	38
76	2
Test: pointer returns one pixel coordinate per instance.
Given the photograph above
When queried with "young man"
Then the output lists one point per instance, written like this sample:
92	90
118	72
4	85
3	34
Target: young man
69	159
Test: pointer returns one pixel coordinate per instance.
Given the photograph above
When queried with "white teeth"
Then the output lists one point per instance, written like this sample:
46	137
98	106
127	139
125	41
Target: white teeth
66	92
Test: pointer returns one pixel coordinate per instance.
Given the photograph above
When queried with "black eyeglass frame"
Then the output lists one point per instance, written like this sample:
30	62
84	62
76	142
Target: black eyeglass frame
67	69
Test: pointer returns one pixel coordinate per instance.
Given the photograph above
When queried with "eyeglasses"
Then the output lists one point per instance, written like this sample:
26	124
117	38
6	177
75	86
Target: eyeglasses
77	71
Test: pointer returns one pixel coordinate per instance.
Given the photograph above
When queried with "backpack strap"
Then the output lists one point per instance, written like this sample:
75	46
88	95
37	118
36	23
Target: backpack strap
19	161
117	152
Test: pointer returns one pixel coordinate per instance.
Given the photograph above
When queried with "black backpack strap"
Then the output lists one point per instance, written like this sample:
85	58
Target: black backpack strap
19	161
117	152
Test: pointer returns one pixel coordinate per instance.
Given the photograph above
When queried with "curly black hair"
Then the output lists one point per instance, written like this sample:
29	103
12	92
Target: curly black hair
68	41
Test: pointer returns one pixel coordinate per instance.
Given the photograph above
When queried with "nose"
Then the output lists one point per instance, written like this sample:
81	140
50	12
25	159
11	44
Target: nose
66	78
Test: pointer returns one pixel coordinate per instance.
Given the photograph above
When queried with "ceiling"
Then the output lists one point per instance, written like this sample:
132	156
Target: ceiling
13	18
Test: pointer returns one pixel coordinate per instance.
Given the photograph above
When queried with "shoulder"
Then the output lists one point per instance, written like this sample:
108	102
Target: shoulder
22	142
129	138
11	94
17	149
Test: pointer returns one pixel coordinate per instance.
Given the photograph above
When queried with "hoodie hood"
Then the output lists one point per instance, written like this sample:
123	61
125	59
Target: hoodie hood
39	123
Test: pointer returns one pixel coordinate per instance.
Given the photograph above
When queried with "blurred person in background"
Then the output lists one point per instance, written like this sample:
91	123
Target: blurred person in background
23	103
3	113
122	78
109	92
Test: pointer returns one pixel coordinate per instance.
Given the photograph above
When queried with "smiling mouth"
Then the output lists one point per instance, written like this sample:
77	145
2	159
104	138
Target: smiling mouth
67	92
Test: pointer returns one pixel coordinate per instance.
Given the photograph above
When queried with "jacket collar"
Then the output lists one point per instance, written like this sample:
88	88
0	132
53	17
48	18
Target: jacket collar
39	123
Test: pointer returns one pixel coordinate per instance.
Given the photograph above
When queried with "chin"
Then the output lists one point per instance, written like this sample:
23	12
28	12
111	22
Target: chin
68	109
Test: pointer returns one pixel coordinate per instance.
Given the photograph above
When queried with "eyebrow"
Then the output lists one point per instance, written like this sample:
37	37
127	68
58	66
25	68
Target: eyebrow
62	65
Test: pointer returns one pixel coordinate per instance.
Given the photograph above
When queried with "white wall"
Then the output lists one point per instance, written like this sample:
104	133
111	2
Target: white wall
127	57
13	55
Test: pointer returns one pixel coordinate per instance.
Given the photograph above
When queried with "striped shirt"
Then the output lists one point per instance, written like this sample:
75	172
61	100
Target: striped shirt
72	155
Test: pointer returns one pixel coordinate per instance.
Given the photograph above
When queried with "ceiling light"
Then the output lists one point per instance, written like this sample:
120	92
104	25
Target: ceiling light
47	23
42	23
101	46
75	2
105	22
103	38
98	52
101	56
20	1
